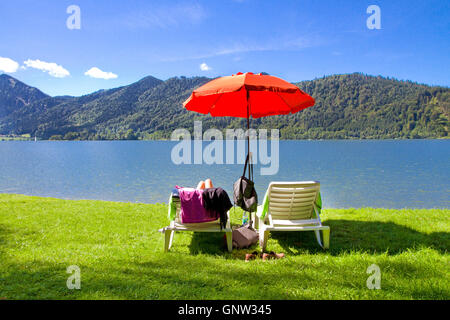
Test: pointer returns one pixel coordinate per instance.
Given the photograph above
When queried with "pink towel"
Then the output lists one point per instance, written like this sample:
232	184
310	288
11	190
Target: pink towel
192	209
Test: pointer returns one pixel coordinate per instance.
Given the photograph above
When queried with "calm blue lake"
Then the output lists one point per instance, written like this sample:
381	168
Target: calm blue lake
390	174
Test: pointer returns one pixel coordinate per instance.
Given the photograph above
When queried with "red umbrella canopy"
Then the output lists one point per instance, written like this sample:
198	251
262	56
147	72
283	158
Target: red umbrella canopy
247	94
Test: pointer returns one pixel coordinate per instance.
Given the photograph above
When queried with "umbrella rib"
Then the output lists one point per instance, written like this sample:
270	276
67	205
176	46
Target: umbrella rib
215	102
289	107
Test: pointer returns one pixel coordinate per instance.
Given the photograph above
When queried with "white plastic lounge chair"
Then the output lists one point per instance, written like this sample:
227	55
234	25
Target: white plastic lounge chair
291	206
176	225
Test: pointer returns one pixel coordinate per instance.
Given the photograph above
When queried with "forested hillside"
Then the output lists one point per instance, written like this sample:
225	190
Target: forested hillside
15	95
348	106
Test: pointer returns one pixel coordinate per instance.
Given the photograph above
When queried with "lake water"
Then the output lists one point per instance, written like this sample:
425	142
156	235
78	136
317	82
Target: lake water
390	174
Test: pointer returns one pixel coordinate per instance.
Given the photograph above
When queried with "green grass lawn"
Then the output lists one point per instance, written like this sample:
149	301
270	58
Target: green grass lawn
120	254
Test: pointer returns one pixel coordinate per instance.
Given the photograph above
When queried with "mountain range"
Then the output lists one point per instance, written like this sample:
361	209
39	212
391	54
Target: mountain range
349	106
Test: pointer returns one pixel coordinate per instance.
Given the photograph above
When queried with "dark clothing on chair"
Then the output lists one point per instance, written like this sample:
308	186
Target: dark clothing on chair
217	200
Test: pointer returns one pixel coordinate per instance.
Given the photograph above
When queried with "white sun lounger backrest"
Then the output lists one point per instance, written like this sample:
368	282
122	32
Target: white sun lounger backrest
292	200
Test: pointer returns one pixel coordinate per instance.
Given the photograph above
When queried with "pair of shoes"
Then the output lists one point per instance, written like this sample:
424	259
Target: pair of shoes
272	255
252	256
263	256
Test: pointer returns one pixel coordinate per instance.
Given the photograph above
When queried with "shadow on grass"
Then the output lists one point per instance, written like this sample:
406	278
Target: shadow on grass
346	235
184	277
214	243
367	236
4	232
207	242
146	280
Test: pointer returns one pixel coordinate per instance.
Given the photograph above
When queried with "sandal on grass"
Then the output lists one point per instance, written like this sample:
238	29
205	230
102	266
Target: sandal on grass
251	256
272	255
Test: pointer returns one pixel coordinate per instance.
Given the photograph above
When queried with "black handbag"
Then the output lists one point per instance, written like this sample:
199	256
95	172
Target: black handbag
244	190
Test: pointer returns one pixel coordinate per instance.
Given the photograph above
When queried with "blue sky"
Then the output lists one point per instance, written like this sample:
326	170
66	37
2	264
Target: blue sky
296	40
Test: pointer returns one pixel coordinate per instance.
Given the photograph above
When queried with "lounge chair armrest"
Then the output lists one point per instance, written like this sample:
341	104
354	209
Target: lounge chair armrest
259	211
263	222
172	210
270	220
264	208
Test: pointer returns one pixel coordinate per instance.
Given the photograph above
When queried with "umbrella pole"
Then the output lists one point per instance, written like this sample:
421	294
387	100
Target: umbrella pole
248	127
248	137
250	222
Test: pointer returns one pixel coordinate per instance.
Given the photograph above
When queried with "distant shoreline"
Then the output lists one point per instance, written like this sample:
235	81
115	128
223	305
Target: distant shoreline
4	139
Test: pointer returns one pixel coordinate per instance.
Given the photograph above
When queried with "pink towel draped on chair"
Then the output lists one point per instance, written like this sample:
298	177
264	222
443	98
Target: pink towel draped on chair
192	209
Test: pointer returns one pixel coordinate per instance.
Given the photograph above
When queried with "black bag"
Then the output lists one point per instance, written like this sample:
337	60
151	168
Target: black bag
244	190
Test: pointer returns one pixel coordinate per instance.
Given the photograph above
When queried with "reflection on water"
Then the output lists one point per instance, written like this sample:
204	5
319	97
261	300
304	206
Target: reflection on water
391	174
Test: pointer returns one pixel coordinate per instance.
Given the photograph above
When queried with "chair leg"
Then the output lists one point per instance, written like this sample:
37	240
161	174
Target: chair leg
229	241
168	238
255	221
326	238
171	239
263	237
317	232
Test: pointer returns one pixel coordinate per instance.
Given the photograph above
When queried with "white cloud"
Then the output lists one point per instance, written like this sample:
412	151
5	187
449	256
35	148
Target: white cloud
52	68
95	72
8	65
204	67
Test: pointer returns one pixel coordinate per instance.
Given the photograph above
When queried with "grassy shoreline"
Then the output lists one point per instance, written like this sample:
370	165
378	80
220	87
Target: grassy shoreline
268	138
120	254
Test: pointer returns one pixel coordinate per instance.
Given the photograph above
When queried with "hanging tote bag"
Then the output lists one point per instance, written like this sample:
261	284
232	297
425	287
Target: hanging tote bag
244	190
